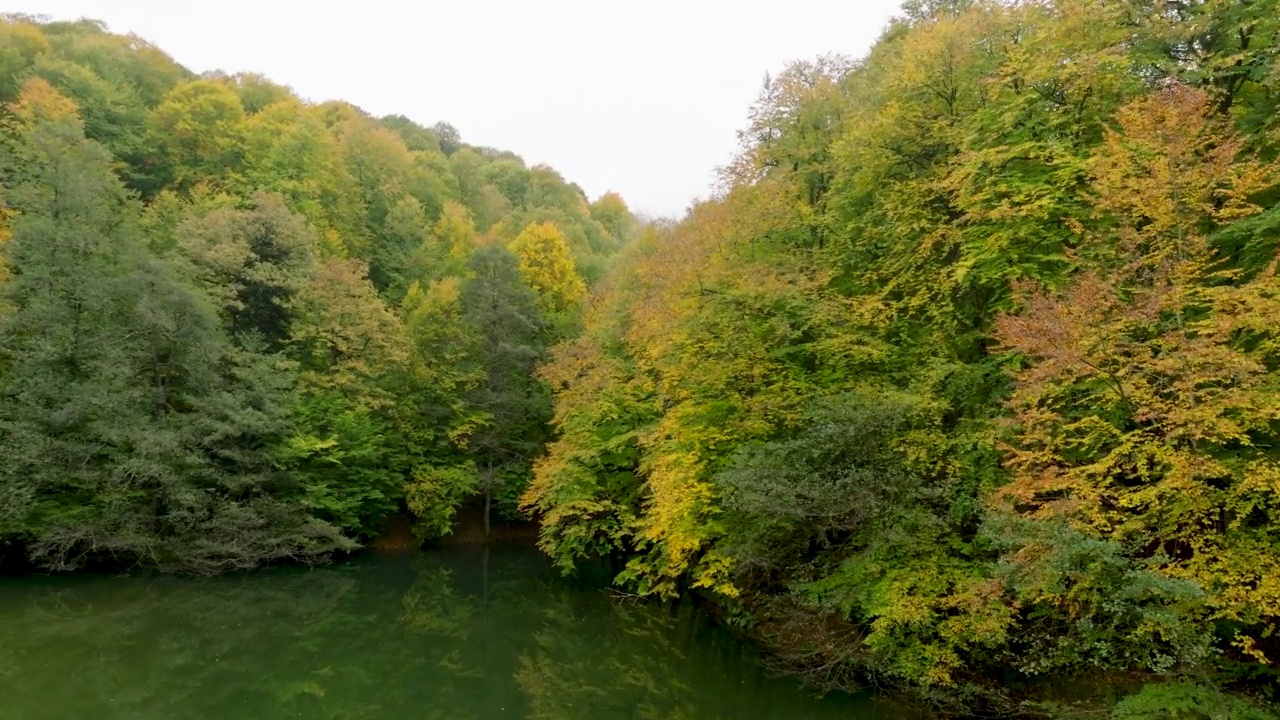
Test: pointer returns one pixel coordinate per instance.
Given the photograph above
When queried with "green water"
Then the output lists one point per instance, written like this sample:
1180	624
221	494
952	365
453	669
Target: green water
449	634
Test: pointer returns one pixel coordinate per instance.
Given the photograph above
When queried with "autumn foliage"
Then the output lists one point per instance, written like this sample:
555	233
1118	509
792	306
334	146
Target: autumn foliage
965	377
237	327
969	368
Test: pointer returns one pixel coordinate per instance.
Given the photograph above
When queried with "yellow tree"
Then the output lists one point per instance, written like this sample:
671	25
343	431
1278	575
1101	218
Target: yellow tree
584	486
197	135
547	266
611	211
39	101
1142	417
455	234
21	43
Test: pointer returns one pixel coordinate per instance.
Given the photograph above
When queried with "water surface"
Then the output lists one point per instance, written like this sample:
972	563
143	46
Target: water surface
448	634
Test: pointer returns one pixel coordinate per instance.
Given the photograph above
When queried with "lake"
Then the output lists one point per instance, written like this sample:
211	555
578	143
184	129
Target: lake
451	634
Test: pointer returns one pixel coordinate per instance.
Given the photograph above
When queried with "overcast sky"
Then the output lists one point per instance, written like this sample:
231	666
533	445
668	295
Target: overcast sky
638	96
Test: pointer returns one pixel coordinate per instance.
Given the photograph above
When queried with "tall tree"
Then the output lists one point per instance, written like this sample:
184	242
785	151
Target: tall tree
349	345
433	414
513	404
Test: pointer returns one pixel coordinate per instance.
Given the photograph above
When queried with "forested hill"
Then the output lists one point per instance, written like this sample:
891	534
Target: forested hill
968	377
237	327
970	374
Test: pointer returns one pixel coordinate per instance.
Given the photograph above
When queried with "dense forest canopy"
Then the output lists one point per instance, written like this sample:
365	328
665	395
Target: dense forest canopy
966	376
970	370
238	327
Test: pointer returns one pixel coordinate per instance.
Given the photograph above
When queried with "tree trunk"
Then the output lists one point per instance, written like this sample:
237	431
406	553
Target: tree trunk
488	499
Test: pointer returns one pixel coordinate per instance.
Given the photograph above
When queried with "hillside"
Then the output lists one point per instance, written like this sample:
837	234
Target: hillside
968	377
237	327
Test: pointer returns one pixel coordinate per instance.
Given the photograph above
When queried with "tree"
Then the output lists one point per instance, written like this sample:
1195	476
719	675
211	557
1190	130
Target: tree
5	235
513	404
39	101
253	261
405	254
197	136
378	166
586	488
450	138
487	204
546	266
611	211
278	340
257	92
793	399
289	152
22	42
433	414
349	345
455	235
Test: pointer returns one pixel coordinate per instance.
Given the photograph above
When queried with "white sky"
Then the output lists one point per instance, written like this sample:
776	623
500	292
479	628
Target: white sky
642	97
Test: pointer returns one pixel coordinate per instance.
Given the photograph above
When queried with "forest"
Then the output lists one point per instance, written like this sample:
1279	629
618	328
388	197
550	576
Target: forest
961	381
968	374
239	328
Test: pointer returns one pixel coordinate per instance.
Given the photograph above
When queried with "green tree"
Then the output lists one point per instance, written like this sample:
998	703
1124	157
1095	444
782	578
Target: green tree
22	41
135	431
433	416
611	211
348	344
512	404
289	152
253	261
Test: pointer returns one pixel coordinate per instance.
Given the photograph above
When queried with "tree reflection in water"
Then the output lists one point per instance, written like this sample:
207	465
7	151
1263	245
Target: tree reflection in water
449	634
